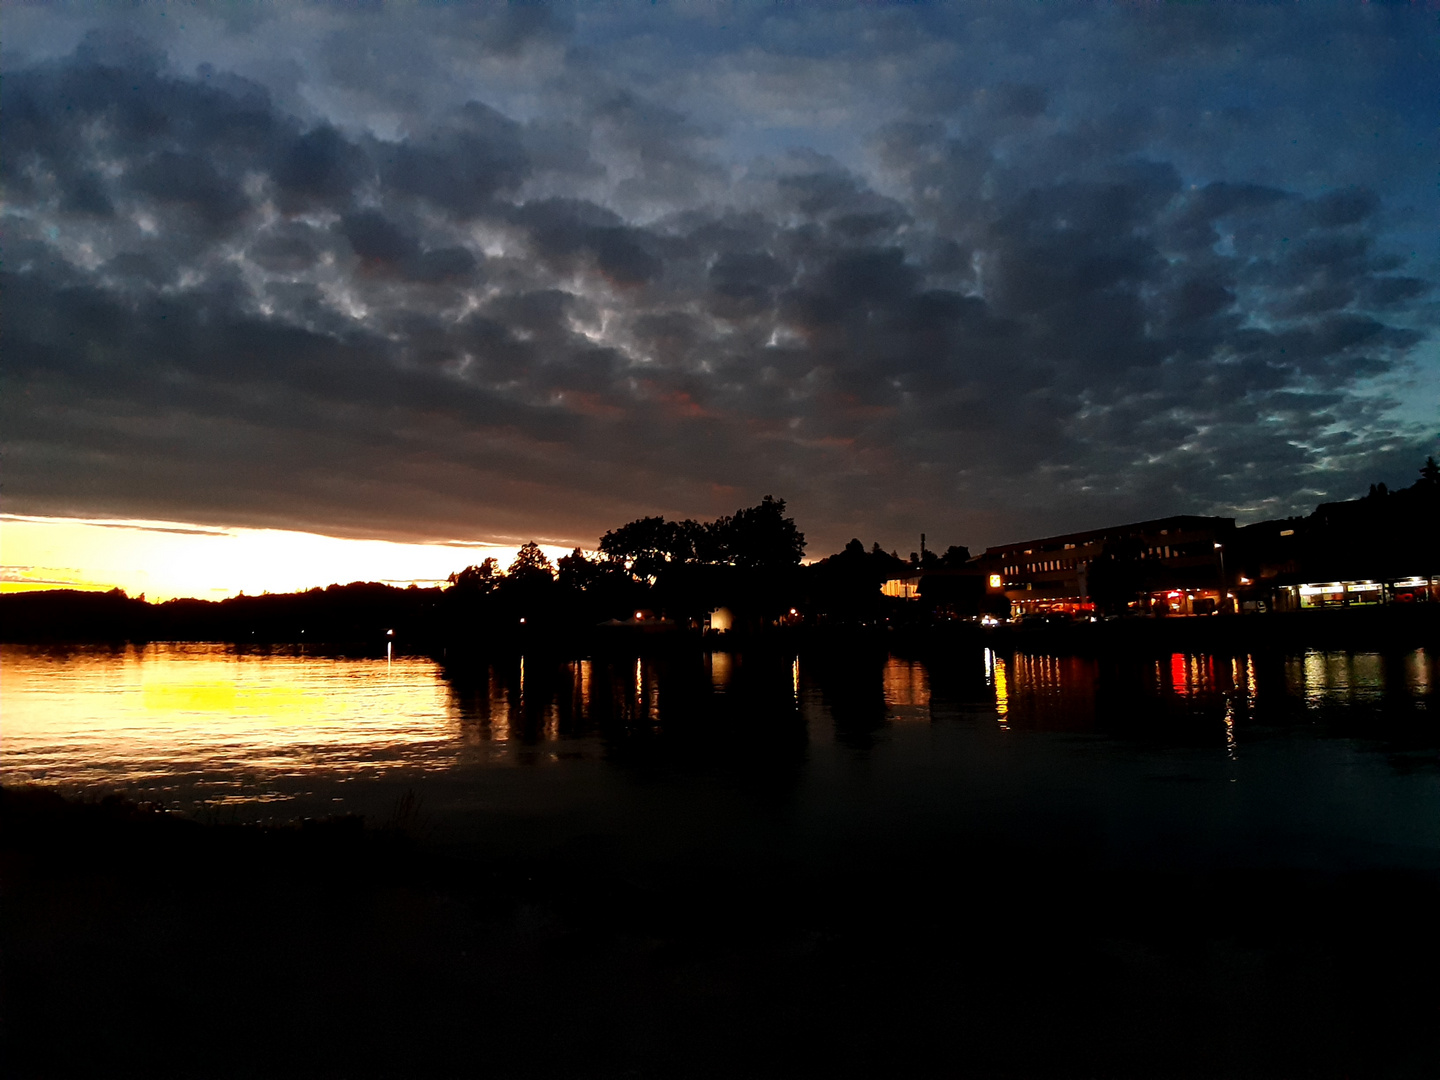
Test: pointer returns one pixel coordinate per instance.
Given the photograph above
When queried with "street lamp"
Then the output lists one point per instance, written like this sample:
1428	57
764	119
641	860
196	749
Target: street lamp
1224	583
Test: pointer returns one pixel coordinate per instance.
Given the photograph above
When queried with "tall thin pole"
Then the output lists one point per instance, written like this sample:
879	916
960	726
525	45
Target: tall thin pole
1224	584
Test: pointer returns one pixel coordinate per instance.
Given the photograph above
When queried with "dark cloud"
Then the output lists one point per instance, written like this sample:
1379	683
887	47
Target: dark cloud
285	250
457	166
564	231
375	238
749	275
191	182
504	272
318	168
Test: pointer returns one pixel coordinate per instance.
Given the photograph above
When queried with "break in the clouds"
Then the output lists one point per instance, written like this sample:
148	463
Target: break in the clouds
508	271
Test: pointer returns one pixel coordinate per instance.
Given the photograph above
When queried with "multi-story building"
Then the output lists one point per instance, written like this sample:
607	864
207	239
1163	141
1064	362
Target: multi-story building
1360	560
1173	565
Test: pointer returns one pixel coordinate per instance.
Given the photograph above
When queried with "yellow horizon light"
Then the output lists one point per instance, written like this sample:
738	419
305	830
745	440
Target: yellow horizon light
165	560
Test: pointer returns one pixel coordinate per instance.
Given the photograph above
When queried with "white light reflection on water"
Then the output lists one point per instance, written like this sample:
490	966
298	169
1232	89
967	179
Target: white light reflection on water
1418	673
1330	678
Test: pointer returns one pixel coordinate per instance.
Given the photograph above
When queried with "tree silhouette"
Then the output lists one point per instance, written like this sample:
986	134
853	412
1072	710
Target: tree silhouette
845	587
577	574
647	546
1115	576
477	580
527	593
758	538
956	556
531	562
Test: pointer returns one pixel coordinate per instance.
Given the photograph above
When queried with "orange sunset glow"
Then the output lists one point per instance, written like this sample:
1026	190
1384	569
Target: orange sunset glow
164	560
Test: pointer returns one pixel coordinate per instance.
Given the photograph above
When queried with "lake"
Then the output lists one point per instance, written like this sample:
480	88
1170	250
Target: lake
1312	760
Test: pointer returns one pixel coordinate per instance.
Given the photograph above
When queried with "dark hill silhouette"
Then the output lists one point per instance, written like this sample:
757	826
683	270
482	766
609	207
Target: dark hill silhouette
358	612
73	615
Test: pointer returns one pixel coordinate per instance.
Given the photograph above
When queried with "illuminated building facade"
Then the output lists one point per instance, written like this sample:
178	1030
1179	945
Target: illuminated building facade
903	586
1372	552
1346	555
1350	594
1173	565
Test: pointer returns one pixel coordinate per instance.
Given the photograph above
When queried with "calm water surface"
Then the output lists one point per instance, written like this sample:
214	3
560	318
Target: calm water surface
1318	759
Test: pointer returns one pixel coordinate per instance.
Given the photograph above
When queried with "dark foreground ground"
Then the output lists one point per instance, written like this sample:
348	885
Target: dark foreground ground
138	944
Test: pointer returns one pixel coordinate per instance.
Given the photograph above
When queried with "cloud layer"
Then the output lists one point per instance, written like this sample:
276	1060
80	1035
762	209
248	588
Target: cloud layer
532	271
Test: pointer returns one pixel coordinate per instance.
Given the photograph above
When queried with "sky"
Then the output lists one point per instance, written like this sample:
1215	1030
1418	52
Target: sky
162	560
427	274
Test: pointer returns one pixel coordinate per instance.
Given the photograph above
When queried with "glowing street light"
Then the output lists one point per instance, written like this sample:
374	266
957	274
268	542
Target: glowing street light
1224	583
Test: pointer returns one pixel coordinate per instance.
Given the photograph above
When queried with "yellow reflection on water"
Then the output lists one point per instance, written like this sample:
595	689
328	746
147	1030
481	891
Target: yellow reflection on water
501	711
101	715
219	697
1332	677
583	675
1052	692
1002	689
907	689
1314	681
721	669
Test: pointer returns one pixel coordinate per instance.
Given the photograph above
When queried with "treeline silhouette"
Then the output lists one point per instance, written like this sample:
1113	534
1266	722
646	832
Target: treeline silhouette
358	612
654	573
648	574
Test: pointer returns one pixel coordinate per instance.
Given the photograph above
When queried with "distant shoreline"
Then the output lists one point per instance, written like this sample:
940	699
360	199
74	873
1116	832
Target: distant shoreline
1354	629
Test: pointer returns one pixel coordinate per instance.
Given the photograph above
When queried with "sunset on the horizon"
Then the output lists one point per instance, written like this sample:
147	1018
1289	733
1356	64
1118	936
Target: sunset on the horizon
163	560
448	273
691	539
